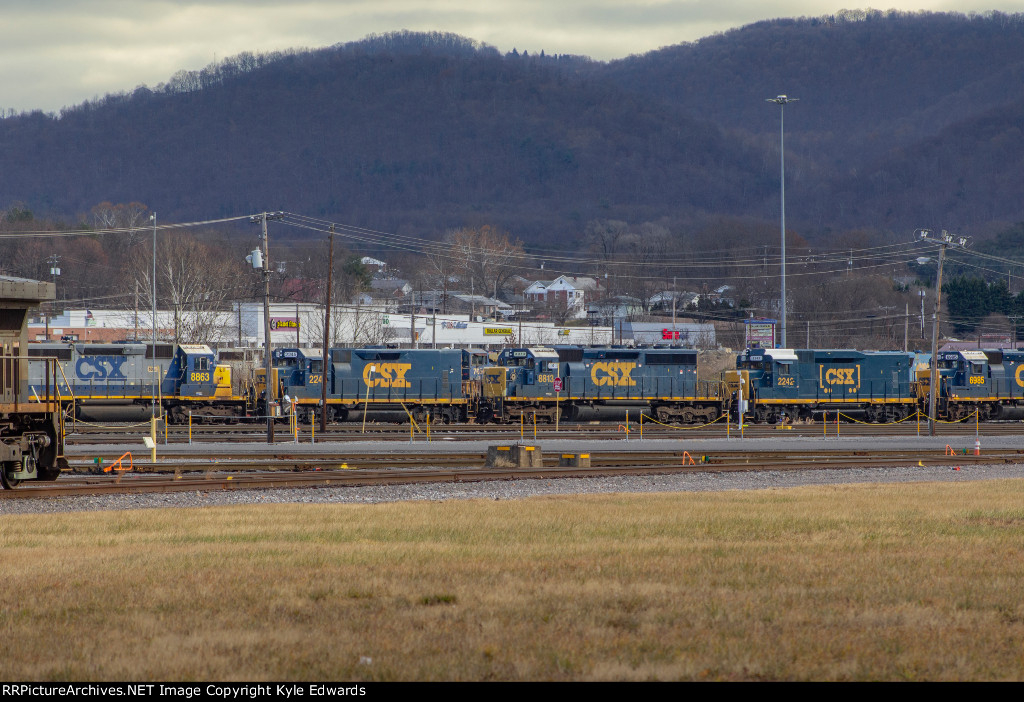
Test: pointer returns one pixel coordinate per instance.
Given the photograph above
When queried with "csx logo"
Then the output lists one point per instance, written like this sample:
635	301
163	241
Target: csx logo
847	378
100	368
1020	381
612	373
387	375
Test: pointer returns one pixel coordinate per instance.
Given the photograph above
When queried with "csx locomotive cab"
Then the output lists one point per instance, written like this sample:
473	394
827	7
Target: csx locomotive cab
522	384
299	372
980	381
196	384
783	384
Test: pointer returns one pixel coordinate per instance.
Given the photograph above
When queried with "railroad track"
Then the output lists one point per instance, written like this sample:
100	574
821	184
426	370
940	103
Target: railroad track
283	470
85	435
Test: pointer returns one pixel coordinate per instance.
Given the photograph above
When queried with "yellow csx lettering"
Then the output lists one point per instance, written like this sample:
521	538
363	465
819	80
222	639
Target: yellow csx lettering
387	375
1020	370
612	373
840	376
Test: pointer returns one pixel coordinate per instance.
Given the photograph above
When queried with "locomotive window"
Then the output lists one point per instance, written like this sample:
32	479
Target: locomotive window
751	365
316	366
202	363
977	368
784	369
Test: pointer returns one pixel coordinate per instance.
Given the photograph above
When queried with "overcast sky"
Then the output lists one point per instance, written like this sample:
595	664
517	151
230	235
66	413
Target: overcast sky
63	52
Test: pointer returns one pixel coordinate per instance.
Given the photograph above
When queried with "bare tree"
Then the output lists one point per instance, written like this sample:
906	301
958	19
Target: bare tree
198	280
485	257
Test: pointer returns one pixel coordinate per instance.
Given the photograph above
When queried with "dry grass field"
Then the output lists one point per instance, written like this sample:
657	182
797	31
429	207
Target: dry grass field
859	582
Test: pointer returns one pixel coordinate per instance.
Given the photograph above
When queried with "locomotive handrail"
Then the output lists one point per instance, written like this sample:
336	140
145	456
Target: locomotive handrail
898	421
673	426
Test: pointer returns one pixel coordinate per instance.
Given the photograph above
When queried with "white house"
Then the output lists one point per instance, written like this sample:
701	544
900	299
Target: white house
569	292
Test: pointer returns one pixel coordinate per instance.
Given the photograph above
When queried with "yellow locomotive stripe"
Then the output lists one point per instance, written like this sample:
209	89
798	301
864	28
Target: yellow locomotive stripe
894	401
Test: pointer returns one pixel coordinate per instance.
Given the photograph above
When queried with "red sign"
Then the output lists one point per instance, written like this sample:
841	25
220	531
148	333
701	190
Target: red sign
558	385
671	334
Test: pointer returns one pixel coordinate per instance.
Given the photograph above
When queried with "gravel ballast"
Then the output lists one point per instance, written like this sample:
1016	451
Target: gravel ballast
517	489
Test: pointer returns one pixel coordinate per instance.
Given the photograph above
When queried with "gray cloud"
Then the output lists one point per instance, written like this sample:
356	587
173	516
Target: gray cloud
62	52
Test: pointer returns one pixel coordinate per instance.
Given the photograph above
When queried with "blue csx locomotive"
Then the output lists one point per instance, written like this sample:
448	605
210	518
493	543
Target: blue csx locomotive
878	386
578	382
421	382
121	382
530	382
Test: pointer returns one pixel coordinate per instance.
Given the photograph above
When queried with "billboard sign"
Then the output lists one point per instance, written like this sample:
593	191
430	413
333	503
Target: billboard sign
760	333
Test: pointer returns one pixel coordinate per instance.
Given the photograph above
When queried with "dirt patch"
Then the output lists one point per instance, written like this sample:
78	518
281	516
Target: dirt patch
711	364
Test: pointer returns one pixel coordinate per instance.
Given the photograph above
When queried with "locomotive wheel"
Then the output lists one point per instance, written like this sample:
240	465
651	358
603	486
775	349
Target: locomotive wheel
687	416
7	482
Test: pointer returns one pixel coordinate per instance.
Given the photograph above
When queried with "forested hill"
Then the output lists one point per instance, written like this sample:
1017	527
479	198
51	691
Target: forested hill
904	120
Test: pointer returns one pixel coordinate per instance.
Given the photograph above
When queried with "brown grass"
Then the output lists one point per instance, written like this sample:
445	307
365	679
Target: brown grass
863	582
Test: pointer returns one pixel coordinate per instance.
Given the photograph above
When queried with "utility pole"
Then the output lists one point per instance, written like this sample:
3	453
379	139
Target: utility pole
921	293
945	240
270	392
782	101
412	320
673	305
327	335
906	327
54	272
155	365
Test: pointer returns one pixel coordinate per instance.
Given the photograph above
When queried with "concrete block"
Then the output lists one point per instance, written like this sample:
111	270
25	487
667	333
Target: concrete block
574	460
514	456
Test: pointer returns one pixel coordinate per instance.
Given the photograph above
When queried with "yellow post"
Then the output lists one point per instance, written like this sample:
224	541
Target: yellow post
919	422
838	413
535	425
727	423
312	430
522	419
164	420
190	427
295	424
641	426
152	438
428	426
824	423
